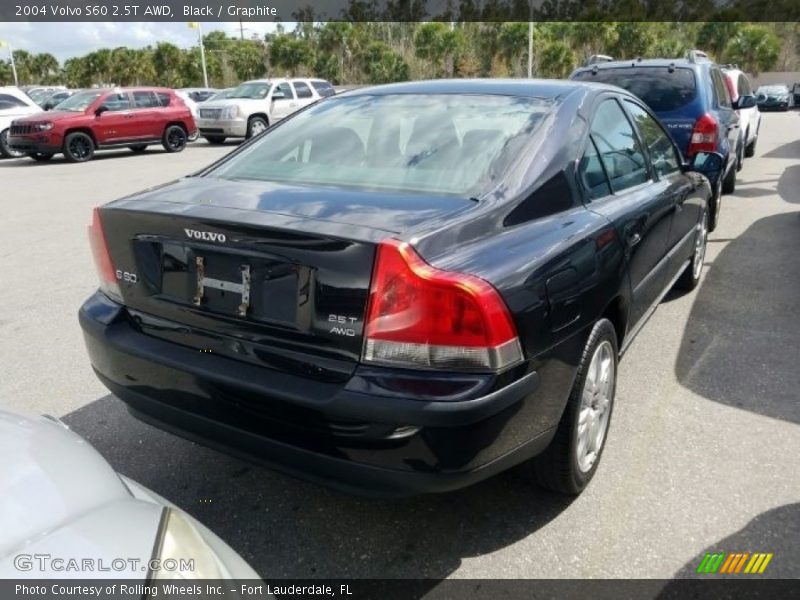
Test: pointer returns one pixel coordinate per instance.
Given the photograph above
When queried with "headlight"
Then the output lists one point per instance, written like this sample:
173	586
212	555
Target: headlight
184	554
230	112
46	126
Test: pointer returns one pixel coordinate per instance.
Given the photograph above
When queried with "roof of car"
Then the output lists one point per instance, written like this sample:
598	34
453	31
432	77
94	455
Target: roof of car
644	62
533	88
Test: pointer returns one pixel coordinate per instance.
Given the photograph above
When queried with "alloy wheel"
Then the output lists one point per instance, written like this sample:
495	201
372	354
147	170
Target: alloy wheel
700	247
595	410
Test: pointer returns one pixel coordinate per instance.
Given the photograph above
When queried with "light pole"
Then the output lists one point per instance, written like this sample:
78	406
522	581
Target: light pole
530	39
196	25
11	56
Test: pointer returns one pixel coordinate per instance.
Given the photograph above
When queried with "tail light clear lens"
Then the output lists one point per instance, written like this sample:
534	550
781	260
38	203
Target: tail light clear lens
704	135
422	317
102	257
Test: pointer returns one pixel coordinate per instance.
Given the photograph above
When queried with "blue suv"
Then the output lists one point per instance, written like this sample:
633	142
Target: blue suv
691	99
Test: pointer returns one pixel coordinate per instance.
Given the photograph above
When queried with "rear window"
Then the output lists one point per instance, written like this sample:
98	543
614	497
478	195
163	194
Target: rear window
451	144
662	89
323	88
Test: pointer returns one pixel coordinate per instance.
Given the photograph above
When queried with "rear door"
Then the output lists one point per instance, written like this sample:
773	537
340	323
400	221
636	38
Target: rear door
616	170
726	116
685	200
147	115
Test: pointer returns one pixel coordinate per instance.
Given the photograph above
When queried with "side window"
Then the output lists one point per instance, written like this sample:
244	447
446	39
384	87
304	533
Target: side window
592	173
323	88
618	147
662	151
288	93
163	98
116	102
11	100
145	100
744	86
303	91
720	89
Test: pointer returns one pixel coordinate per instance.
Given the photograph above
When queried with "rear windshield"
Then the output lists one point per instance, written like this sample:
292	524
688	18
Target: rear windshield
323	88
442	143
661	89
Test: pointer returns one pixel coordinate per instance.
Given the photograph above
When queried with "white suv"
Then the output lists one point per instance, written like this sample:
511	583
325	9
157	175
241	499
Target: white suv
743	98
255	105
14	103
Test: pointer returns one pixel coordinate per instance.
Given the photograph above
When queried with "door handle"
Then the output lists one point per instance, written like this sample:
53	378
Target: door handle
634	239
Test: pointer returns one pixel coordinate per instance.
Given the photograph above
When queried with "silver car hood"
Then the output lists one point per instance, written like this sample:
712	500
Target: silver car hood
60	497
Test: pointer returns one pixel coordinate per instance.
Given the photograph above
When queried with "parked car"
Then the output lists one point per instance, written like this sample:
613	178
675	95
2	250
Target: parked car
39	93
63	502
405	288
743	97
255	105
220	95
773	97
14	103
690	97
796	94
51	101
105	118
199	94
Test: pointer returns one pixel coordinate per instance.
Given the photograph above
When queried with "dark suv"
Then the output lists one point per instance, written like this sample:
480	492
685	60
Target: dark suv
691	99
105	118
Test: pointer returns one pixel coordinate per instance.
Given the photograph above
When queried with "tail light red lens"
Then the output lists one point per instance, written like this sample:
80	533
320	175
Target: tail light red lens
102	257
704	135
423	317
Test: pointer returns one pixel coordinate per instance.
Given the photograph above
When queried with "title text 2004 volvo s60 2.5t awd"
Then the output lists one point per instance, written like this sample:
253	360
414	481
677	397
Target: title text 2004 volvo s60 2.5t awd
404	288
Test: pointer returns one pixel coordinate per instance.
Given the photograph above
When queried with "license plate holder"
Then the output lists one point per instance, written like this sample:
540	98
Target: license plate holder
237	287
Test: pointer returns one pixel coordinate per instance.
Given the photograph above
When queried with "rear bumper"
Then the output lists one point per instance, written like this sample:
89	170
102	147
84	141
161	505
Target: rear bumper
356	441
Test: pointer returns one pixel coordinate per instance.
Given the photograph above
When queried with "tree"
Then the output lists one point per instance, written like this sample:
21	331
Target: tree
248	59
167	61
289	53
381	64
755	48
714	37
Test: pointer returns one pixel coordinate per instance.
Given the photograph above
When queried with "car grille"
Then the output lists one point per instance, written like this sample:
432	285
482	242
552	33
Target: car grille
21	129
210	113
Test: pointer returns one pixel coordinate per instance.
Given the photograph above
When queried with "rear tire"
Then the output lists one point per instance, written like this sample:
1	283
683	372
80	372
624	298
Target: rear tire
138	148
729	183
78	147
175	138
5	150
570	461
750	149
691	275
41	156
215	139
740	156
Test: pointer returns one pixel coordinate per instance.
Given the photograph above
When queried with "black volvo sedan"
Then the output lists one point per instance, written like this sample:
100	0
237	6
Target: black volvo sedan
405	288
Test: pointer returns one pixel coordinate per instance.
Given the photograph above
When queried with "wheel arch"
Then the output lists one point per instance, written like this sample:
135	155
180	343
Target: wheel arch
87	130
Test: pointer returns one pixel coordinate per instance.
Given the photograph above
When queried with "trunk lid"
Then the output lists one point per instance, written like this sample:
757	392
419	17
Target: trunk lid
259	272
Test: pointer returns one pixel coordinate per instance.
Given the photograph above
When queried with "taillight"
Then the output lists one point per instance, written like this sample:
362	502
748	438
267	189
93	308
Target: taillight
704	135
102	257
423	317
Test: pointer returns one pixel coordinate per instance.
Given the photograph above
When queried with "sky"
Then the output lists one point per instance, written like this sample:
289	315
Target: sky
64	40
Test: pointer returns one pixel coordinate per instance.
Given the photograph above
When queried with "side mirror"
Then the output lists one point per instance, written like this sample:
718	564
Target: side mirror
100	110
278	95
748	101
709	164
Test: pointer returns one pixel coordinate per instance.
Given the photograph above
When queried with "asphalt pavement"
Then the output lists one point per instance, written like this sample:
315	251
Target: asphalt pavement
703	446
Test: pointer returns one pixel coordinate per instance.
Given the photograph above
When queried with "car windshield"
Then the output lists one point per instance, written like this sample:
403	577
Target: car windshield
663	89
773	89
442	143
254	91
79	102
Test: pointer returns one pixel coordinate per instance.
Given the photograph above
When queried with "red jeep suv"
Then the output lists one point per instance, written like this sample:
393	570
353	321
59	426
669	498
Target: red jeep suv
105	118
